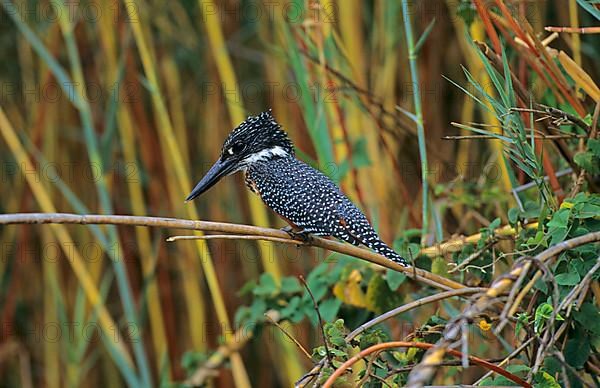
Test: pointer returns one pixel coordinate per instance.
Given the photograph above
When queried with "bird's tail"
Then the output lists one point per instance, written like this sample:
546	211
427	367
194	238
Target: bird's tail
384	250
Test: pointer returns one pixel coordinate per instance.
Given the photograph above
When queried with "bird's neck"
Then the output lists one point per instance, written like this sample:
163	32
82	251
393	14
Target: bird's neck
267	154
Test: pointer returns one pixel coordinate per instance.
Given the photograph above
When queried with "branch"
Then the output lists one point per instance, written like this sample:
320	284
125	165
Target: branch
493	137
207	226
457	244
421	345
385	316
425	370
574	30
412	305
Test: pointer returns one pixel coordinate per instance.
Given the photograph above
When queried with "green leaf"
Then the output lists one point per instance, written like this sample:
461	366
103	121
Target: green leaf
423	37
577	352
558	226
587	161
266	286
494	224
439	266
589	209
191	360
379	296
466	11
247	288
329	309
588	316
372	337
518	369
241	315
538	239
394	279
542	314
522	320
257	311
545	380
290	285
594	146
336	333
568	279
360	154
291	308
513	215
588	5
552	365
560	219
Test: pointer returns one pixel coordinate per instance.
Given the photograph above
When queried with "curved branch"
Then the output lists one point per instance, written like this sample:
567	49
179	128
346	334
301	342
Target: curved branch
387	315
208	226
421	345
425	370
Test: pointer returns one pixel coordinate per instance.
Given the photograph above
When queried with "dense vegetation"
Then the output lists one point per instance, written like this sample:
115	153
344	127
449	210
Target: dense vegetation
466	130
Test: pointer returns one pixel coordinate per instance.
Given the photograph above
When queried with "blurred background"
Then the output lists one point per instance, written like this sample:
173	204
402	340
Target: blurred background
120	107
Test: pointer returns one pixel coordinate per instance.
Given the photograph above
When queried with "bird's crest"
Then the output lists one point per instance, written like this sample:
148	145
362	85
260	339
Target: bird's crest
256	134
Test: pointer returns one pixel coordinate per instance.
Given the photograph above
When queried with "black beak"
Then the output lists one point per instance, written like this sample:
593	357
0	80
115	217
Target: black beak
216	172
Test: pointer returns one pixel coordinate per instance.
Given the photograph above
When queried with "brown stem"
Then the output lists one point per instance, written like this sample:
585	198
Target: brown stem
421	345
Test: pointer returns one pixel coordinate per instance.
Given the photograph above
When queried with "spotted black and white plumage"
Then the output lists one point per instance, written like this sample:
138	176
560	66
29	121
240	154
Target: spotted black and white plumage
303	196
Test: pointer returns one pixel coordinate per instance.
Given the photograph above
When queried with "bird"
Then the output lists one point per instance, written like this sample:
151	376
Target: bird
308	200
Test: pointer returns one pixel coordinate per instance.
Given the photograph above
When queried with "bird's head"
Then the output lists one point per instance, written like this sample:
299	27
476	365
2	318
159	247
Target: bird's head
256	139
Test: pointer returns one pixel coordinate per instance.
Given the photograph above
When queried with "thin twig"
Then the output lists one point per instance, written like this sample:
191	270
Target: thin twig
472	257
235	237
409	306
491	137
287	334
318	316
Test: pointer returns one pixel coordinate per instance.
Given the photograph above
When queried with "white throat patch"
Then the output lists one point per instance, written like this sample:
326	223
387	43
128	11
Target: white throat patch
265	154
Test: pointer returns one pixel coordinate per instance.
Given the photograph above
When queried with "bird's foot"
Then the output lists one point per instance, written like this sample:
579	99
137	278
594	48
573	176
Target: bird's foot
301	236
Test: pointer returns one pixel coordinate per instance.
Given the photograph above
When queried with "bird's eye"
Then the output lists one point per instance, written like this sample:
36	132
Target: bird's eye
236	148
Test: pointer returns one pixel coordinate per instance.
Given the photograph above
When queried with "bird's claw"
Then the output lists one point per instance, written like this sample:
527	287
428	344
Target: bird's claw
301	236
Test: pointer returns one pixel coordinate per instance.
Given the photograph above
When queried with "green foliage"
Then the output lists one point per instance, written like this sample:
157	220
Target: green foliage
394	279
501	381
590	158
543	313
545	380
466	11
191	360
346	290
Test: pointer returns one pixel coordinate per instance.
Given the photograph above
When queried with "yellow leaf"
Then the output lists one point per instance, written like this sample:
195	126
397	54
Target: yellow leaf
581	78
439	266
566	205
411	353
355	276
349	291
